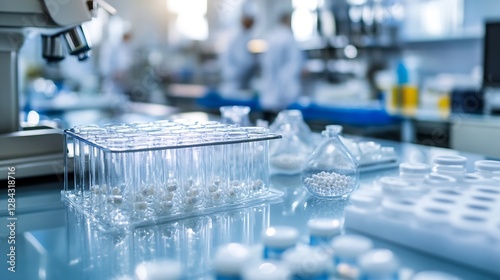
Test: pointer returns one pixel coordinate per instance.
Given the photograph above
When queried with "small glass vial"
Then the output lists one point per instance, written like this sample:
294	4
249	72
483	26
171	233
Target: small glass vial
347	249
331	170
487	168
414	172
379	264
230	260
322	231
453	166
159	270
307	263
277	240
265	270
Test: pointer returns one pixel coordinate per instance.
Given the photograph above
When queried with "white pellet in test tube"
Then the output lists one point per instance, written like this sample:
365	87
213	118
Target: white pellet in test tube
230	260
277	240
379	264
216	177
347	249
159	270
322	231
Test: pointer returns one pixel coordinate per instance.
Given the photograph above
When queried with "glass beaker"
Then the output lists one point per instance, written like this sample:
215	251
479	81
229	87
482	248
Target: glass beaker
331	170
237	115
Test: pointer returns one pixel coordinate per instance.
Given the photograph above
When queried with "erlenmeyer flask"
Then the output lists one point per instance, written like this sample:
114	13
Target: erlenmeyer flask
331	170
289	154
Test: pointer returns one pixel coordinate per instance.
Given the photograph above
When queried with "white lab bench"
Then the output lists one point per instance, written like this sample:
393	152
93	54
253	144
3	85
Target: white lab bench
54	243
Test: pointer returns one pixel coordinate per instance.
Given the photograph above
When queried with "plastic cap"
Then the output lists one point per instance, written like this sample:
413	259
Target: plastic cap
158	270
280	237
438	179
324	227
392	182
450	160
266	271
380	262
306	261
230	259
351	246
487	165
434	275
415	168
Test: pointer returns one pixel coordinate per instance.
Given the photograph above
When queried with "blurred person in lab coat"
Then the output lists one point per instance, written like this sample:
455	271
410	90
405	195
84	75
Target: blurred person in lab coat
282	66
238	63
116	62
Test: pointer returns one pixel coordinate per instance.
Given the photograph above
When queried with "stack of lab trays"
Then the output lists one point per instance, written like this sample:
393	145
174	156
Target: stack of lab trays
442	210
132	174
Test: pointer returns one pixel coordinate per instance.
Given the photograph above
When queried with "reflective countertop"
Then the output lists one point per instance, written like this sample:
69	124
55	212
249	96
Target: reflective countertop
54	242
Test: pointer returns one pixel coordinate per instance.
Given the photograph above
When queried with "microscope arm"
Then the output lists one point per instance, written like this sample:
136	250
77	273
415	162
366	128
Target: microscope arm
44	13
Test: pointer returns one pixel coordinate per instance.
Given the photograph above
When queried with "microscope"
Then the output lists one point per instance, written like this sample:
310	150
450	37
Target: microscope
36	151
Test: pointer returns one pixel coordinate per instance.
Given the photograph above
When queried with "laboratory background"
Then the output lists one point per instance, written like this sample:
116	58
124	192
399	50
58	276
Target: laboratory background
250	139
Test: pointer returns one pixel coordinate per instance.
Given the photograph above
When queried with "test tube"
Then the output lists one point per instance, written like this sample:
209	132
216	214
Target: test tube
258	157
236	165
193	169
216	183
169	192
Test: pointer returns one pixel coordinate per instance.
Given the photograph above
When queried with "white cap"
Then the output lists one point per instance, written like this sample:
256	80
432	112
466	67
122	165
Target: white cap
363	200
324	227
392	182
487	165
305	260
230	259
379	262
266	271
450	160
280	237
434	275
439	180
415	168
351	246
158	270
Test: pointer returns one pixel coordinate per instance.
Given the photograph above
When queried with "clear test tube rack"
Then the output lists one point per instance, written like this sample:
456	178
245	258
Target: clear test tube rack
145	173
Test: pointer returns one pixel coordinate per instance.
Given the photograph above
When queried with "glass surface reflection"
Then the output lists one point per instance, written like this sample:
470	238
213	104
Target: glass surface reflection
192	242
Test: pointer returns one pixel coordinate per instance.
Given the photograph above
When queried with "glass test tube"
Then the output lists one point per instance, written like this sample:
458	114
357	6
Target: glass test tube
258	153
216	184
192	164
236	165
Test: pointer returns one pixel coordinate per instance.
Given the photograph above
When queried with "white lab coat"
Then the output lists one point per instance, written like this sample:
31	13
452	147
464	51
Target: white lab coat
238	65
281	70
